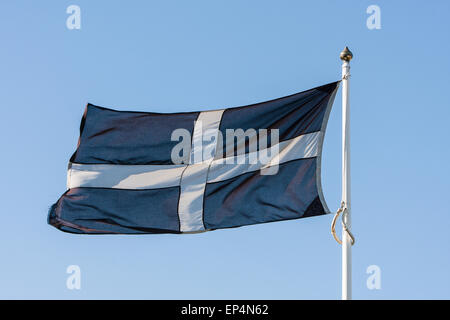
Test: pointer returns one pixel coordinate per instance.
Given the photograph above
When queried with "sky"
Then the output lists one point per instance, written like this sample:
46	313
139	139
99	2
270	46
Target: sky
172	56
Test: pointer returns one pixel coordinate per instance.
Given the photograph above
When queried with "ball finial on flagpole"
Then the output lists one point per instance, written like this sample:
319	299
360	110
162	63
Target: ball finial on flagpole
346	55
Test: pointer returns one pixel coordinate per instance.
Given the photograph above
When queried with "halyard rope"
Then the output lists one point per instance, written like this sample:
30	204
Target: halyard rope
342	209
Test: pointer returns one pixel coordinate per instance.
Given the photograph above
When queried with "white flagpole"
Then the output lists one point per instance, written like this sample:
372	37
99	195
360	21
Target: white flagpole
346	56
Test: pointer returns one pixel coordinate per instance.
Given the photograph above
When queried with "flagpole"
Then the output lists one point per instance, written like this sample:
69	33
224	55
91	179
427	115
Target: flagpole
346	56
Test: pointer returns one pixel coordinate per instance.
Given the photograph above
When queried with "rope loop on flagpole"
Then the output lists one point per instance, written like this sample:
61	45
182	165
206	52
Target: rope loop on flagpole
343	210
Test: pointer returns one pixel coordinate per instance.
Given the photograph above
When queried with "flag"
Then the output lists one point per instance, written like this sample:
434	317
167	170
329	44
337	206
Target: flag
143	172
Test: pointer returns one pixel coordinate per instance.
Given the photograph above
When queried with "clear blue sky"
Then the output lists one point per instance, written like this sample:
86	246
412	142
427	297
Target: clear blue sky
168	56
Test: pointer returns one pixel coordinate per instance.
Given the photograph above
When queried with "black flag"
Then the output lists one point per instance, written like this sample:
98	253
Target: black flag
142	172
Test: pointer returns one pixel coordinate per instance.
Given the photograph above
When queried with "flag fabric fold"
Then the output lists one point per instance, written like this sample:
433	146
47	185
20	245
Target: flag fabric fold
142	172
